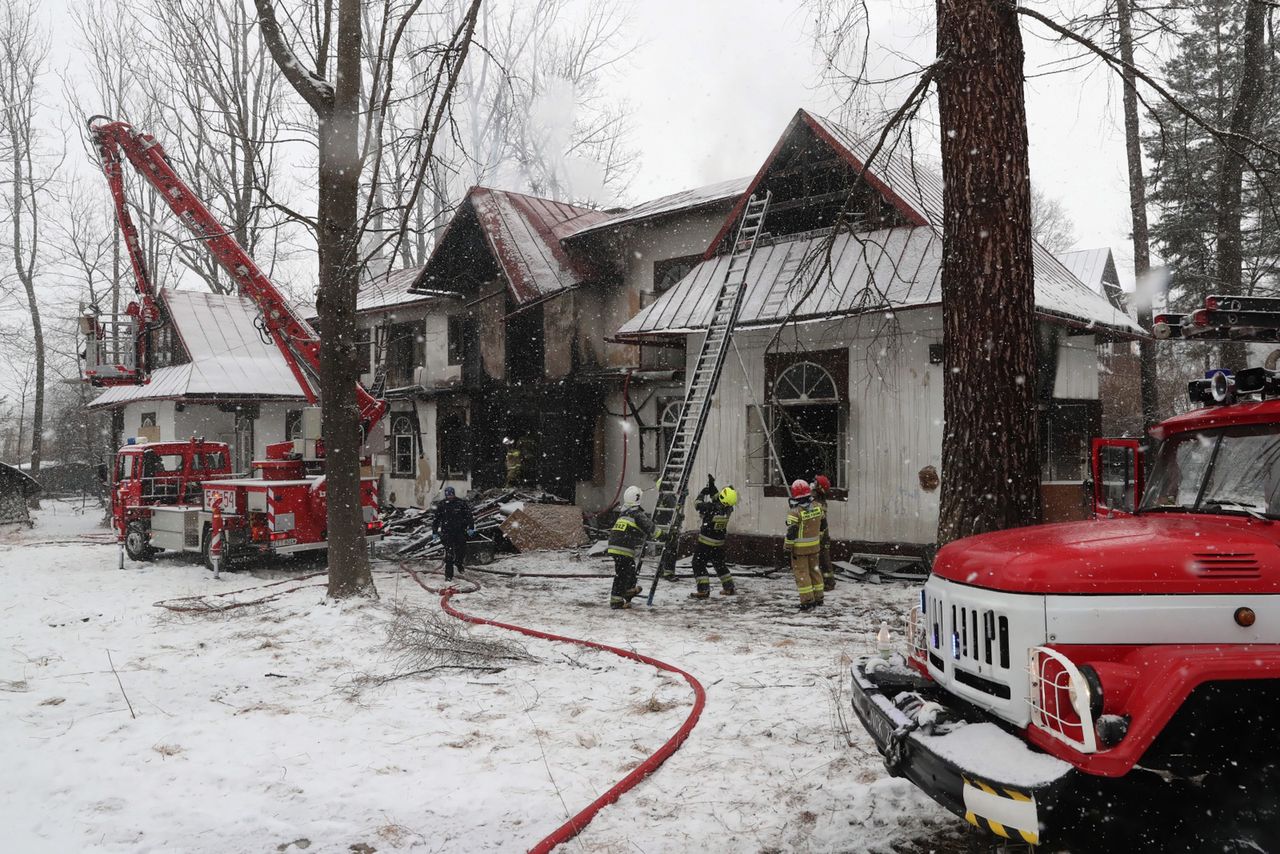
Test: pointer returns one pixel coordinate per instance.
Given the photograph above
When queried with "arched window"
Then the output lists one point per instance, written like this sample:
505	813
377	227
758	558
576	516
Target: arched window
804	421
805	383
403	458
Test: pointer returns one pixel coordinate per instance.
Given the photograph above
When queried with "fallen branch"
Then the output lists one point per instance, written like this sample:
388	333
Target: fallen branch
121	684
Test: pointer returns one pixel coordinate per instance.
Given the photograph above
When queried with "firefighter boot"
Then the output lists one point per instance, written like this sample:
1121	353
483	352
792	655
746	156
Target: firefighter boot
632	593
727	588
704	589
617	603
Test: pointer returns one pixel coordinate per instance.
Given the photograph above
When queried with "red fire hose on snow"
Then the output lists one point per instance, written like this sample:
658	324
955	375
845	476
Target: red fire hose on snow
577	823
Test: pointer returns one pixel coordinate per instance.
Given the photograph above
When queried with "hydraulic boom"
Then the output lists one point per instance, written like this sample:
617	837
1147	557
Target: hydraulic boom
119	349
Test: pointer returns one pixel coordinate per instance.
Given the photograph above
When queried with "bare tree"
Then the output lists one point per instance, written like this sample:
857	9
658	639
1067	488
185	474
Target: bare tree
1051	225
25	171
330	84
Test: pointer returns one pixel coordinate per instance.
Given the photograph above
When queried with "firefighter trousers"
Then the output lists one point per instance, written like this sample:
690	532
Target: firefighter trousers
808	578
704	554
824	561
624	580
455	554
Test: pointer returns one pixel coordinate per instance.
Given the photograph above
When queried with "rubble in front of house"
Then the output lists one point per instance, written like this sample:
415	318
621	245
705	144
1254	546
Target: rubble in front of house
505	519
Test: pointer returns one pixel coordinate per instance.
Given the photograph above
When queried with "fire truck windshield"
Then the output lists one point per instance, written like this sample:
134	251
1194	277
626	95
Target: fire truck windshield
1233	470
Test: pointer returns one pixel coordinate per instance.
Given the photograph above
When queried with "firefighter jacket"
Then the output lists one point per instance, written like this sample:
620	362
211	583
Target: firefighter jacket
453	519
806	523
629	533
715	519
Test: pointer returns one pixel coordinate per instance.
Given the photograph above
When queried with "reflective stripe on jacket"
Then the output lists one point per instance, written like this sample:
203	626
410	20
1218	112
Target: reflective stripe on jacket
629	533
715	521
806	523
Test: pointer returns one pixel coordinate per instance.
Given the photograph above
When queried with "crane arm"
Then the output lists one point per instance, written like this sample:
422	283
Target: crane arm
291	334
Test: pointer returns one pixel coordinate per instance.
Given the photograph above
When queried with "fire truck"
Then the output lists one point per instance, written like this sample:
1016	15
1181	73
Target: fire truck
1113	684
183	496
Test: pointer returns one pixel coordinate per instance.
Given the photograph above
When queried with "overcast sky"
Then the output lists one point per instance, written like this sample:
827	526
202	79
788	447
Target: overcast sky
713	83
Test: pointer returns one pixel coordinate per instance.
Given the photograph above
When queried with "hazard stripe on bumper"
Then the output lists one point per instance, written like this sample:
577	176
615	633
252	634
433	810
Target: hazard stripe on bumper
1005	812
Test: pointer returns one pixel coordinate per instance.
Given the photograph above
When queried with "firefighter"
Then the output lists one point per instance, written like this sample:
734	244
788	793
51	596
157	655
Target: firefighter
626	545
715	506
806	523
454	523
514	462
821	495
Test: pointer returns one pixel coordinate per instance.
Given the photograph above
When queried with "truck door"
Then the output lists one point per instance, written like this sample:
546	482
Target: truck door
1117	476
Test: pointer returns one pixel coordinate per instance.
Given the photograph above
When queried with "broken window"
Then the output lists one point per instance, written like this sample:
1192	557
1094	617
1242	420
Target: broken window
403	458
655	441
807	417
761	470
668	273
525	344
461	333
405	351
451	442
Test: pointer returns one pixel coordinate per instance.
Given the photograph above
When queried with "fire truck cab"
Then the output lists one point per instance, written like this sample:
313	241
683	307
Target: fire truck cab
1113	682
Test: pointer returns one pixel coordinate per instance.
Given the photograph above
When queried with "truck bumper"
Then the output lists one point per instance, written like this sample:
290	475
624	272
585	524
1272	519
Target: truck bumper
977	770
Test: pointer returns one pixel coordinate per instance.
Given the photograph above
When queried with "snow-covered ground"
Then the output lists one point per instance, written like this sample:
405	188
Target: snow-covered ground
258	729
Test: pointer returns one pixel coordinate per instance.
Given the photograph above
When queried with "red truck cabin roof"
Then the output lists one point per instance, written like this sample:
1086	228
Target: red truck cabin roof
1239	414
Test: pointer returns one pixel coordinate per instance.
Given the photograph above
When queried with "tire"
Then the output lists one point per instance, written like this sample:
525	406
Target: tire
206	558
137	542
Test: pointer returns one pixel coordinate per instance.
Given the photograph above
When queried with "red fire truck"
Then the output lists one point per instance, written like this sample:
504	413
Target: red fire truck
182	496
1113	684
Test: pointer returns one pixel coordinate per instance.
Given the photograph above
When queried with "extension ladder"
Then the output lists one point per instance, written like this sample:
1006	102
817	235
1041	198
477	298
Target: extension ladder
673	485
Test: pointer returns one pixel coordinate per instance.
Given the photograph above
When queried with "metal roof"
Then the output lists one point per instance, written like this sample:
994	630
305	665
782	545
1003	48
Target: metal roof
890	268
229	358
523	234
391	290
1089	266
684	200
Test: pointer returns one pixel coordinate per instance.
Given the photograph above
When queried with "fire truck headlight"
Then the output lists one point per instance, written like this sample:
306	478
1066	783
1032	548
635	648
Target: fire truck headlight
1087	694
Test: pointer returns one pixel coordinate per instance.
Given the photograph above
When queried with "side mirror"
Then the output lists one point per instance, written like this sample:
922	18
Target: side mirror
1117	476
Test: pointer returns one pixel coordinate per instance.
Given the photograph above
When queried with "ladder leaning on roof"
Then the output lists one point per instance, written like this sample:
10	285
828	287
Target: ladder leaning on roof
673	484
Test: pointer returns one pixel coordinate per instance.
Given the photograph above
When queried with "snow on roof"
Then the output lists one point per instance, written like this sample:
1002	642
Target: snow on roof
904	263
523	233
674	203
229	359
1089	266
392	290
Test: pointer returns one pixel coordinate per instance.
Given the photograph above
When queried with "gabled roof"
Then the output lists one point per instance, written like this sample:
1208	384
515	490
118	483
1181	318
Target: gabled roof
685	200
1097	269
523	234
229	358
392	290
897	267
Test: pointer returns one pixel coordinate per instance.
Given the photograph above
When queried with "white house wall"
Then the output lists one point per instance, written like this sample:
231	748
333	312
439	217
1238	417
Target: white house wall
209	422
895	428
1077	374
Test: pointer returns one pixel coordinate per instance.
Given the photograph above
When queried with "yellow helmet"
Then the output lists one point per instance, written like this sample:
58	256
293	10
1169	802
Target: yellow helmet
728	496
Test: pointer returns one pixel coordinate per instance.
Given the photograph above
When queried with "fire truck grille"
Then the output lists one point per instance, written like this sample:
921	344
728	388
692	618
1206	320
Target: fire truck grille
1226	565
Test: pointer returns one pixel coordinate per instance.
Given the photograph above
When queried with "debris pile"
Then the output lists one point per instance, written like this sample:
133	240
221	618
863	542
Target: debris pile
524	520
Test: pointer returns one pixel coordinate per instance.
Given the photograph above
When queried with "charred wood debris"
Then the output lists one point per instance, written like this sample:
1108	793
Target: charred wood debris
408	529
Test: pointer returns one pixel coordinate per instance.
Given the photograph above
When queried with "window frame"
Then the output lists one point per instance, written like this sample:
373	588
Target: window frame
402	444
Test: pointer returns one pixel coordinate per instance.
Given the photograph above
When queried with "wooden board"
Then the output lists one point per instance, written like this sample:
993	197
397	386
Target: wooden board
538	527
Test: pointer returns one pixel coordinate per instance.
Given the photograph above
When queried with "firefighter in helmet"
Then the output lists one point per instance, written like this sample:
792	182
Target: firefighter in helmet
626	545
821	495
806	523
514	462
715	506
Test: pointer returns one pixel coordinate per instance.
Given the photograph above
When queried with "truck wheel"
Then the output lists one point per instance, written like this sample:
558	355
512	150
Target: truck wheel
205	557
137	542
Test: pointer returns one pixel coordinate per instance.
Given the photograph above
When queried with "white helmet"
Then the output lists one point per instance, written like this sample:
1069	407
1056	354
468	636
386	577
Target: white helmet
632	496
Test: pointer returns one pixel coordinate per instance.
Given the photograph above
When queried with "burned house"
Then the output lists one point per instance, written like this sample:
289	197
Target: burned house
838	350
505	338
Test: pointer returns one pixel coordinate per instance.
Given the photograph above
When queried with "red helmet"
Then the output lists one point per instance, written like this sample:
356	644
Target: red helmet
800	489
823	482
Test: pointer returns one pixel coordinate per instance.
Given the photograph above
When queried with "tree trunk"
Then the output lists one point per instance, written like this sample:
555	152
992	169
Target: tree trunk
26	274
990	445
1231	174
1149	388
339	239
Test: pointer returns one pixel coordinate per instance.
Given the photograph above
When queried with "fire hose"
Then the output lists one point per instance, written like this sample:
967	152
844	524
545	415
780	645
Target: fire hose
577	823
